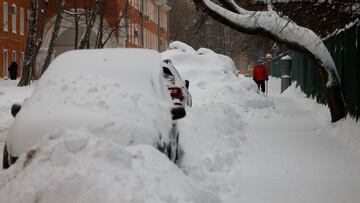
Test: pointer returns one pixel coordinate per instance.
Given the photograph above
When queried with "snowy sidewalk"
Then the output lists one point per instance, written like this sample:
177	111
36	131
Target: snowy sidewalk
291	160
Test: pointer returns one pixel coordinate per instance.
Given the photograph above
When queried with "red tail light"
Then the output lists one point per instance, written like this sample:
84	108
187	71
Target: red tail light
176	93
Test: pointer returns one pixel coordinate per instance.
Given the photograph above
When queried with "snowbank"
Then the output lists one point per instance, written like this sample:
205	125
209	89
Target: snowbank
181	46
10	94
345	131
107	91
202	66
76	166
212	135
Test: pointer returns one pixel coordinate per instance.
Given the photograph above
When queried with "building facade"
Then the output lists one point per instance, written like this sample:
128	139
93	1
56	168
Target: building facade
126	23
13	32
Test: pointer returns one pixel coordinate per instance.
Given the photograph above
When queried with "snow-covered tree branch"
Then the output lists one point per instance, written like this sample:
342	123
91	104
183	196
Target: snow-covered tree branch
271	24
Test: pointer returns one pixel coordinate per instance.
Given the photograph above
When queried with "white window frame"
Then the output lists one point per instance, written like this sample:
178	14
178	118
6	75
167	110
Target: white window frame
6	16
13	16
6	63
22	21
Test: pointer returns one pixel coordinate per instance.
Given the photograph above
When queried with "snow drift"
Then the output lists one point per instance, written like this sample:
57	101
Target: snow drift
77	166
212	135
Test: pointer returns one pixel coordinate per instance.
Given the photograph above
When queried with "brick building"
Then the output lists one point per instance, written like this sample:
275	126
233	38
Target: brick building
144	23
13	32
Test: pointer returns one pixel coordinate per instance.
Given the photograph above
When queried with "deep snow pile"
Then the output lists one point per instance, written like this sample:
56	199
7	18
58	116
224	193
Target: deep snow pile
212	135
79	166
345	131
10	94
107	91
76	166
238	146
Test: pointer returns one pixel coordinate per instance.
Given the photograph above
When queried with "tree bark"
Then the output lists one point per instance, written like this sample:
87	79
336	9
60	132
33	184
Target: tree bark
76	21
30	45
100	34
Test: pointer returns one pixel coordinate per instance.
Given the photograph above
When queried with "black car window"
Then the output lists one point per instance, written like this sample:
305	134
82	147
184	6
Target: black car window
166	71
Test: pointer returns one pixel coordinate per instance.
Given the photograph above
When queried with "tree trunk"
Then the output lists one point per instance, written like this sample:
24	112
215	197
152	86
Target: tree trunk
85	42
30	45
54	36
76	21
100	34
127	23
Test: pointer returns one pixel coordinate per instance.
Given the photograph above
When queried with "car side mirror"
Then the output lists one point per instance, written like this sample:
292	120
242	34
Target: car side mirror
178	113
187	83
15	108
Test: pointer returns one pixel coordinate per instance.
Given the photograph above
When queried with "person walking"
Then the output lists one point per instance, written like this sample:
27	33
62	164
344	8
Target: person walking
13	69
260	75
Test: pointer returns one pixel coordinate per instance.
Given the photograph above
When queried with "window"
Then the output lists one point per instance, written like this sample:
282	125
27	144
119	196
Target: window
13	14
22	21
6	63
6	19
13	56
136	34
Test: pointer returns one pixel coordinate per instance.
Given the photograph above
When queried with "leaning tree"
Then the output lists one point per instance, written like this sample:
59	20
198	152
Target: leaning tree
272	24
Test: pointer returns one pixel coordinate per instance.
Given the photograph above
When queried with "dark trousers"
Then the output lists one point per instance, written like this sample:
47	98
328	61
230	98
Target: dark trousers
13	76
261	85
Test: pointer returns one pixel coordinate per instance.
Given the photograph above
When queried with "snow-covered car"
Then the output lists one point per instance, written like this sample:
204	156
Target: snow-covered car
116	94
178	88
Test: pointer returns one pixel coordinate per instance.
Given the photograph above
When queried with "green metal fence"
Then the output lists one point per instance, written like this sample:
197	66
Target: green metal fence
345	50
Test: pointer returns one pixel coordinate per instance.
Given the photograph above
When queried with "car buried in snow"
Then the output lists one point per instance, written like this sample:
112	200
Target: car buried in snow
178	88
116	94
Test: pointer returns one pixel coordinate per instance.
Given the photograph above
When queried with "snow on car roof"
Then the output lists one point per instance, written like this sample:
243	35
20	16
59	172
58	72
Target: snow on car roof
109	92
128	66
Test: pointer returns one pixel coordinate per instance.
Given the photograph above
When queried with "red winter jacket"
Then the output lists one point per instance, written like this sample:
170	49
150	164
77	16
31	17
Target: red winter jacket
259	72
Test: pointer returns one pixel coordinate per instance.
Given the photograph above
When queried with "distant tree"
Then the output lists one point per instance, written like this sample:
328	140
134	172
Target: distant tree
54	35
86	18
282	29
200	30
34	41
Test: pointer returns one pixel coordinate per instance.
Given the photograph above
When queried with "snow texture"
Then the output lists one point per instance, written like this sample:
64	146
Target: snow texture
238	145
77	166
109	92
